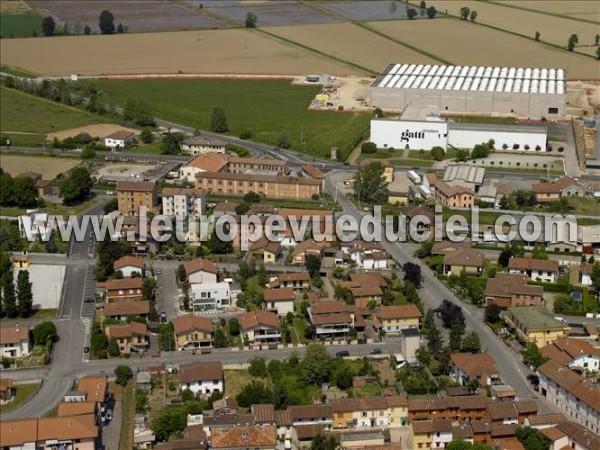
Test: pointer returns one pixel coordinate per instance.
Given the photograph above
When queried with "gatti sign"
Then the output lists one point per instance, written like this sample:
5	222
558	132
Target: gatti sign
407	135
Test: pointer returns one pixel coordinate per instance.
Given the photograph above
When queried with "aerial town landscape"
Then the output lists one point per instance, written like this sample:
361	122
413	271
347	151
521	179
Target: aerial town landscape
286	224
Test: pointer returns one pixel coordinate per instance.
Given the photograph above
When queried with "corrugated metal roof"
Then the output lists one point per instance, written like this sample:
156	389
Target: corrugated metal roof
473	78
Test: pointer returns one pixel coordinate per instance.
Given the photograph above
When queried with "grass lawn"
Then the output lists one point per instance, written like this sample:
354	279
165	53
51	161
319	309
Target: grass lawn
20	25
56	209
280	203
126	395
146	148
267	107
28	114
25	139
412	162
588	206
234	381
23	393
424	154
298	331
495	120
17	71
44	314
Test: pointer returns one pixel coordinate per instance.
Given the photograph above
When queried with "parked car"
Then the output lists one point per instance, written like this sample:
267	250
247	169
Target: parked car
108	415
376	351
89	300
342	354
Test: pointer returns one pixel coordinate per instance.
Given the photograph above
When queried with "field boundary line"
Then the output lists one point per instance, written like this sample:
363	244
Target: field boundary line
399	42
316	51
323	10
506	5
524	36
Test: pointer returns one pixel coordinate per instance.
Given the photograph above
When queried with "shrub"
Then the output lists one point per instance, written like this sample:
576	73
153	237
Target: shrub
368	147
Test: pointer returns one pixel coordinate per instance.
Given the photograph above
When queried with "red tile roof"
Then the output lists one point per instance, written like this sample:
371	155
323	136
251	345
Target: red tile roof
200	371
254	319
126	308
13	334
128	261
191	322
399	312
126	330
279	295
244	437
550	265
138	186
198	264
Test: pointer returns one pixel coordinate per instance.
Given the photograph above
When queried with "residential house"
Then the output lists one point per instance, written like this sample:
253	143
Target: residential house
543	421
263	166
194	438
452	196
410	341
280	300
298	281
20	260
585	273
183	202
577	354
466	259
192	331
33	176
265	251
129	266
134	195
125	289
207	162
260	327
303	435
94	389
536	269
204	377
422	409
271	186
430	434
570	187
331	318
467	408
199	145
310	171
122	309
311	415
369	412
369	255
558	439
307	248
6	390
396	318
133	336
244	437
45	188
366	295
209	297
535	324
19	434
69	409
546	192
419	220
574	396
579	437
15	341
479	366
508	290
200	271
143	380
503	413
119	139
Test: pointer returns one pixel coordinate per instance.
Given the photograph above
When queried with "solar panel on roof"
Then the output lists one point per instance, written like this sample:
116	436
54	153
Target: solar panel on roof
511	72
527	73
467	84
464	71
552	74
535	74
544	74
458	84
475	84
442	83
487	72
479	72
500	84
560	88
560	74
472	71
440	70
403	69
495	72
449	70
484	84
492	85
456	71
450	83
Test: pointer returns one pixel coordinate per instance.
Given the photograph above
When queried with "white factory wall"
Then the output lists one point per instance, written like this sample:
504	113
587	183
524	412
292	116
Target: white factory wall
470	138
415	135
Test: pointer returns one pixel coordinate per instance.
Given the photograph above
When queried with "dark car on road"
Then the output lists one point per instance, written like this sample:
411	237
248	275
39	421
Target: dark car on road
342	354
376	351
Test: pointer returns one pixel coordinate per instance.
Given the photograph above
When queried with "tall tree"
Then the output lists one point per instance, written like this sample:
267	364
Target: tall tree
533	356
24	192
77	186
218	120
108	252
87	30
120	29
434	339
464	12
456	334
181	273
573	40
370	184
313	265
251	20
106	22
316	364
48	26
24	294
138	111
9	298
431	13
473	16
532	438
113	347
492	313
44	332
220	340
471	343
412	273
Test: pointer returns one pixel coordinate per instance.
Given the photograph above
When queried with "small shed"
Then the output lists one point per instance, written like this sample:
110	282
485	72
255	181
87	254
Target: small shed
143	380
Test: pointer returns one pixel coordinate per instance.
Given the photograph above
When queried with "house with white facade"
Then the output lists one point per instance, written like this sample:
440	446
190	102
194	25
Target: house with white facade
280	300
208	162
576	354
468	366
202	377
260	326
209	297
369	255
585	273
332	318
201	270
130	266
119	140
536	269
183	202
198	145
568	391
14	341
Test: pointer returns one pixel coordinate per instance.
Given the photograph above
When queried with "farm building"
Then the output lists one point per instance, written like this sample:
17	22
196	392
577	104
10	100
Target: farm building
531	92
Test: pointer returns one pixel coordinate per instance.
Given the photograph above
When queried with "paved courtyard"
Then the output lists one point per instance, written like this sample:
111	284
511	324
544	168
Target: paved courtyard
47	282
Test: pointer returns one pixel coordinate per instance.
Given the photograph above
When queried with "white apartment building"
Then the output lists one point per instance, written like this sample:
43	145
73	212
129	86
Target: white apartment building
183	202
209	297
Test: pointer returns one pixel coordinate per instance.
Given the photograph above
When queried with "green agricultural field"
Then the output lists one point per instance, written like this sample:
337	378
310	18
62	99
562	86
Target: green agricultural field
266	107
27	119
20	25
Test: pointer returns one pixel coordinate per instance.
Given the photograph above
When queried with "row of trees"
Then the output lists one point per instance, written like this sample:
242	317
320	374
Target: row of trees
467	13
106	24
19	192
16	301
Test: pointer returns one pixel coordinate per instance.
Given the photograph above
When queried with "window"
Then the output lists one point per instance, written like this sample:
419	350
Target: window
552	110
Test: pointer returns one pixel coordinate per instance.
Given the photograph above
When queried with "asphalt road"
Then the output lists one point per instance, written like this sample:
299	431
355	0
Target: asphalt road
433	292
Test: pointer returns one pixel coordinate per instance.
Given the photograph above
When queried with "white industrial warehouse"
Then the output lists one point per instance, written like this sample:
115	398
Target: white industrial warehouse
532	92
423	92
